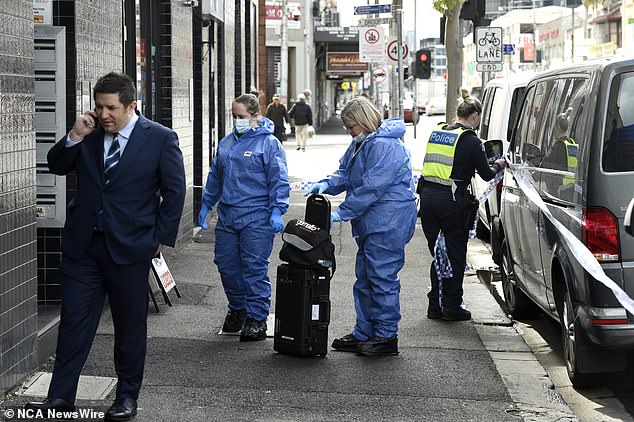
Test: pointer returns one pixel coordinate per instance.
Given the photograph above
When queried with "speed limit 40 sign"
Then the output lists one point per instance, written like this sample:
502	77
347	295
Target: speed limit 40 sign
393	50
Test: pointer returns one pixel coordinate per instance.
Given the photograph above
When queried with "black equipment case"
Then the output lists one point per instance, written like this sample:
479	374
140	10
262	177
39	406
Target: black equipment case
302	299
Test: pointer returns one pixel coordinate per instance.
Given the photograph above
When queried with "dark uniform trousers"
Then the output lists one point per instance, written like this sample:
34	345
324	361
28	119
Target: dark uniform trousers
84	285
439	211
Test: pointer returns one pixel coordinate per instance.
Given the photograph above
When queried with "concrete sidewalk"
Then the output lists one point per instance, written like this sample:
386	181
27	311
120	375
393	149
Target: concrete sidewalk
480	370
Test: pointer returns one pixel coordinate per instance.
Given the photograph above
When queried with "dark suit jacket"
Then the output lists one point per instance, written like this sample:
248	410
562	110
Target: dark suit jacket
143	203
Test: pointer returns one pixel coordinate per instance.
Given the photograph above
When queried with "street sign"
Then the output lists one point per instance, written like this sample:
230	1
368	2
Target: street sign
488	44
392	50
374	21
379	74
373	9
489	67
508	49
371	45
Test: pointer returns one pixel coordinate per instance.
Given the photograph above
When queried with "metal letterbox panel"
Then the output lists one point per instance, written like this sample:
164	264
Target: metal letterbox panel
50	121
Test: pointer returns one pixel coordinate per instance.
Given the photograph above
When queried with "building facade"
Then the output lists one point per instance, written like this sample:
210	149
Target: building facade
189	59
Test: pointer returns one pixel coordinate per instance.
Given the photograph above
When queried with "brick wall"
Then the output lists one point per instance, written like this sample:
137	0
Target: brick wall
18	281
176	71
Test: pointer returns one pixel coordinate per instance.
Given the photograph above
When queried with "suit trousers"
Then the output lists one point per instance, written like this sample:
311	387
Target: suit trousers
439	211
85	282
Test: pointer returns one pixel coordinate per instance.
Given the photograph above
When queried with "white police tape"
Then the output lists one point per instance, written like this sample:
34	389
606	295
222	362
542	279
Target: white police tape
304	185
578	249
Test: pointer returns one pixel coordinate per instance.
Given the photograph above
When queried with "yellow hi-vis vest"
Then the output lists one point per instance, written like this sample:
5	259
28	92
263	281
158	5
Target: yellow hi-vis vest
572	148
441	148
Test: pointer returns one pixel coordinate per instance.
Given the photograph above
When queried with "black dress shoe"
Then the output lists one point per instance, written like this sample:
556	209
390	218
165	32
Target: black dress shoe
379	346
347	343
121	410
59	405
455	314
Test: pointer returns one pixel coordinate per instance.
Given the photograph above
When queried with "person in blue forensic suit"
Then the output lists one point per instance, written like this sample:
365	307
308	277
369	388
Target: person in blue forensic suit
376	174
249	181
127	207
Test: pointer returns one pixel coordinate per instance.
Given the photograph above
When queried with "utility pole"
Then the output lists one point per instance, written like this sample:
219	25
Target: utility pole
396	30
401	70
415	47
284	55
307	15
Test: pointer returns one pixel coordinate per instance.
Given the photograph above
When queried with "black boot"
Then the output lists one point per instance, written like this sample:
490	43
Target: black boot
347	343
234	321
253	330
379	346
455	314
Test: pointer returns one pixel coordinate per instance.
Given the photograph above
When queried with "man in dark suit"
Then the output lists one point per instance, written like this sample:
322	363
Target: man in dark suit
128	203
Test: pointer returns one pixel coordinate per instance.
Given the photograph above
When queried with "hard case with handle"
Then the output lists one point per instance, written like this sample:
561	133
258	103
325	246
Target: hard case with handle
302	299
302	311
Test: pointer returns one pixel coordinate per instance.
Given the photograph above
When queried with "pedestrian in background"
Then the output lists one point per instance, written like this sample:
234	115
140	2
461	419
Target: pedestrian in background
454	153
307	95
376	174
126	210
276	112
303	116
248	180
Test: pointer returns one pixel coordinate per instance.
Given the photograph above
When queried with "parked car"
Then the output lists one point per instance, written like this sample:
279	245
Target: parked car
585	177
502	98
436	105
408	111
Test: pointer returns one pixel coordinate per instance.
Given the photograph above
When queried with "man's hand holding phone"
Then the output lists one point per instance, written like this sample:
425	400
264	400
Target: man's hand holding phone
84	125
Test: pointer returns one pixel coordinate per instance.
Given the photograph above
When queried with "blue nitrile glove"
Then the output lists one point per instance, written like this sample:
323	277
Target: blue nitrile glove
317	188
202	217
334	218
276	220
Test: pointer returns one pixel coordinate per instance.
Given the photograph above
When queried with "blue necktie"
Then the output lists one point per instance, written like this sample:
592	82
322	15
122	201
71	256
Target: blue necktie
113	157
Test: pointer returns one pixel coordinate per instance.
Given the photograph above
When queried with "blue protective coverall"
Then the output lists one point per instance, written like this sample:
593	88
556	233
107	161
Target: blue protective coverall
248	179
381	206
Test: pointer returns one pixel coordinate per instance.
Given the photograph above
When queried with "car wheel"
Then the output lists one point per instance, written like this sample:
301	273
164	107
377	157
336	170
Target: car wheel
517	303
573	340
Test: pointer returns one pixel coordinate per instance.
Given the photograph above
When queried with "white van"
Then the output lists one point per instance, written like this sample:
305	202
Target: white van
502	98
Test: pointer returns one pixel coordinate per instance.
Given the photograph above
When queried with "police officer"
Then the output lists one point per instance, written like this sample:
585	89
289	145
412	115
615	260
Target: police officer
454	153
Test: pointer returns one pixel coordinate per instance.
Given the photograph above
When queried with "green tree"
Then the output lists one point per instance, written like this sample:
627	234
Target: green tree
451	10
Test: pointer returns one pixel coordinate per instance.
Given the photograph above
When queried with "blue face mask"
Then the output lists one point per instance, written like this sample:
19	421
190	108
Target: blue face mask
241	125
360	137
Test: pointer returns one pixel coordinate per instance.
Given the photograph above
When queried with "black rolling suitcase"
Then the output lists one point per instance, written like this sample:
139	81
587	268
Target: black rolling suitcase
302	299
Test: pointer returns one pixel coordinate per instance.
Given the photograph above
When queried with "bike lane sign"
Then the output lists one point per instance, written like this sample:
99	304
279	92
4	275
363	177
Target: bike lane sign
488	44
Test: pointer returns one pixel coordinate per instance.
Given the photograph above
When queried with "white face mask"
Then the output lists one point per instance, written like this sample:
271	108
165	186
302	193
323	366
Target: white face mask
241	125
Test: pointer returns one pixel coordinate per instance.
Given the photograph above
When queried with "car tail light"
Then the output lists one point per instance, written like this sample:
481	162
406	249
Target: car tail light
601	234
597	321
498	187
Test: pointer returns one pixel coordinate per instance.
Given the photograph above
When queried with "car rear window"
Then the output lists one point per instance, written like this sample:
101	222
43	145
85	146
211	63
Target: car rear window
618	144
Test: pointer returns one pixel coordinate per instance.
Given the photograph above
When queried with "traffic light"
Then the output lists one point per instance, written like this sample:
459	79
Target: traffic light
423	64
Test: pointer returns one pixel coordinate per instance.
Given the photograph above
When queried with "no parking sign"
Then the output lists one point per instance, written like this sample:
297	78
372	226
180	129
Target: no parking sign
379	74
